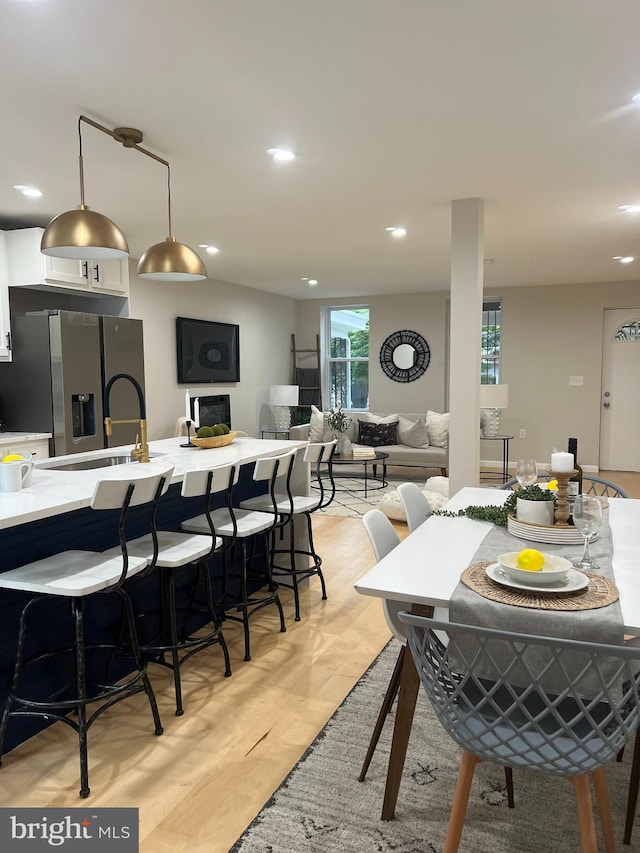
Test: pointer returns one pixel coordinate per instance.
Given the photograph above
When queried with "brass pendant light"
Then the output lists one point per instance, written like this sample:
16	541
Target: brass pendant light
171	260
84	234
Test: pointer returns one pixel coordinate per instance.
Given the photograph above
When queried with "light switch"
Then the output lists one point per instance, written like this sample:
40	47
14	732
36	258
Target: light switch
576	380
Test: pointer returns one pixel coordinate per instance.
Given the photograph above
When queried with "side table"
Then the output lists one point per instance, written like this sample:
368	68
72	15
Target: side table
505	439
275	433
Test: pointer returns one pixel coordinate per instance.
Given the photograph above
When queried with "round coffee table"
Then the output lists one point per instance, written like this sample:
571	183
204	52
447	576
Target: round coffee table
369	467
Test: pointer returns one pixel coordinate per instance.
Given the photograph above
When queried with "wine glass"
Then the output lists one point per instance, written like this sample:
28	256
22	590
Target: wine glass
526	472
587	517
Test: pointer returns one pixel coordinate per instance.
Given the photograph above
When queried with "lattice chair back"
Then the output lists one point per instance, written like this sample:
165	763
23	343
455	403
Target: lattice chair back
557	706
591	485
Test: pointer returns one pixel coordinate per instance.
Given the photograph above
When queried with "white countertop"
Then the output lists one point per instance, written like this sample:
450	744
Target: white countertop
15	437
55	492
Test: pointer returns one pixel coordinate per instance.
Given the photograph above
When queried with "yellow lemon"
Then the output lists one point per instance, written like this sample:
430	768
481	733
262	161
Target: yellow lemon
553	485
13	457
530	560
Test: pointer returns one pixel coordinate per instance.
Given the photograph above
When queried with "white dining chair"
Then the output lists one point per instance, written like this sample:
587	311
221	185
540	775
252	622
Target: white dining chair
416	506
384	539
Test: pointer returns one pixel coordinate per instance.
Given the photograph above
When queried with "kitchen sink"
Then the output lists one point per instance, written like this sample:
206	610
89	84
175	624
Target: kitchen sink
98	462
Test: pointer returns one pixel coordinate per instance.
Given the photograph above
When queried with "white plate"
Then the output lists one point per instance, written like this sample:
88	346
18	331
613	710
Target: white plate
573	582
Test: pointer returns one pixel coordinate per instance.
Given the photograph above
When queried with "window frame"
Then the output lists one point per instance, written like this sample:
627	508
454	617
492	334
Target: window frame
328	359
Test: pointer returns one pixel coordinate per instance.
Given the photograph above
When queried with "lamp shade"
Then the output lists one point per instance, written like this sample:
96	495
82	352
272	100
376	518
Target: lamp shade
171	261
84	235
494	396
283	395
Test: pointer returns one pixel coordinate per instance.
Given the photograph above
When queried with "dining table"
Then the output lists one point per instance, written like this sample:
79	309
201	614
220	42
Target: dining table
424	569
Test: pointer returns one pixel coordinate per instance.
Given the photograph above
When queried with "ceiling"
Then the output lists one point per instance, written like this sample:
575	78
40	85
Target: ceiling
393	108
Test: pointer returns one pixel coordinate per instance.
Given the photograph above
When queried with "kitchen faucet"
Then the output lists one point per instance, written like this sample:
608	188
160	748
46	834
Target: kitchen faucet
141	450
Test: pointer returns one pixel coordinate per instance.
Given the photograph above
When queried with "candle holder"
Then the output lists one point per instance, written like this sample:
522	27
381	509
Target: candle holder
562	504
189	443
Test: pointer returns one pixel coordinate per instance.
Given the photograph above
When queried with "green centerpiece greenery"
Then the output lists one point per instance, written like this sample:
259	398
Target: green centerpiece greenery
498	514
337	420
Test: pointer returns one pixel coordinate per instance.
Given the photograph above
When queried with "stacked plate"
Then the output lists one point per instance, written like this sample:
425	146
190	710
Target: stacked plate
554	535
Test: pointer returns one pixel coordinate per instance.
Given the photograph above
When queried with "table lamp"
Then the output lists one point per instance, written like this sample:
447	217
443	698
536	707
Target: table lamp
281	398
493	398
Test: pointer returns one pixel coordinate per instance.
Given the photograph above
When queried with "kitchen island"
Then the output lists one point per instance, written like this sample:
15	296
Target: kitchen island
54	515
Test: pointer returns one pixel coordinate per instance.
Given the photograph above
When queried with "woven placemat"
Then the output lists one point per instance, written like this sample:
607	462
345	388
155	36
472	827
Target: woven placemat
599	593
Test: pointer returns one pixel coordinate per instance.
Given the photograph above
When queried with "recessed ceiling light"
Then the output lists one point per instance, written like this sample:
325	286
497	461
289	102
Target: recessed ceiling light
626	259
281	154
212	250
629	208
31	192
636	98
396	230
311	281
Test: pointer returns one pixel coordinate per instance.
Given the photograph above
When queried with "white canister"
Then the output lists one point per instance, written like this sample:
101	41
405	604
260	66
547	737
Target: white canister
13	474
535	512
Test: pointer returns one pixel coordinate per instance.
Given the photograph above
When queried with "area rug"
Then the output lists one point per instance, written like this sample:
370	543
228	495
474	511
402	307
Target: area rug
350	500
321	806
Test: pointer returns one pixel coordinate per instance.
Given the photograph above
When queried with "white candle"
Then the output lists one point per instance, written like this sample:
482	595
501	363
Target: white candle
187	405
196	412
562	462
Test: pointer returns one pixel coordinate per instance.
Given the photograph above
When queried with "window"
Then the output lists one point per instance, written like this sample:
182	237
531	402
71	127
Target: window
346	354
491	358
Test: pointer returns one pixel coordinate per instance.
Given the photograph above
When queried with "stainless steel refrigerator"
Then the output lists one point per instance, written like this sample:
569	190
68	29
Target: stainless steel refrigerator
62	361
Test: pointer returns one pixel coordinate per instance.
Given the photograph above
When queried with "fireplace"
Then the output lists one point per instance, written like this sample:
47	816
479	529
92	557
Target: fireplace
214	409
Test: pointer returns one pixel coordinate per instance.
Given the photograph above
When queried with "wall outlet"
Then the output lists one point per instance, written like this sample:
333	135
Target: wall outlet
523	433
576	380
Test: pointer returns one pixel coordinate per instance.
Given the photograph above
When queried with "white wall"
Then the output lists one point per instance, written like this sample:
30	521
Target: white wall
419	312
549	333
266	325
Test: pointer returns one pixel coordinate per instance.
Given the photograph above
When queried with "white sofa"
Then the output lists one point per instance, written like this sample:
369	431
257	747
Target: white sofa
422	439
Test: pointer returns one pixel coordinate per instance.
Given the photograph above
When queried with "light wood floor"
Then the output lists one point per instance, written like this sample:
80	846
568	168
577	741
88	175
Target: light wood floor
201	783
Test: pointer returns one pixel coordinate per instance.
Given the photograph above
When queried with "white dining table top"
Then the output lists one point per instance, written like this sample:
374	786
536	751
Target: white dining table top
426	566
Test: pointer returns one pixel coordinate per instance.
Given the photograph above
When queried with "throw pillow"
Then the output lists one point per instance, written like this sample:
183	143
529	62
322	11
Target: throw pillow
317	425
413	433
438	427
370	418
374	435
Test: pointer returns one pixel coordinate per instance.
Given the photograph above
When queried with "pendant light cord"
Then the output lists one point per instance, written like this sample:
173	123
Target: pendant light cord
81	163
169	198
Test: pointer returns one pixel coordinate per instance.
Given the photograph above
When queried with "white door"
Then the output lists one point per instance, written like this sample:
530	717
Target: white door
620	403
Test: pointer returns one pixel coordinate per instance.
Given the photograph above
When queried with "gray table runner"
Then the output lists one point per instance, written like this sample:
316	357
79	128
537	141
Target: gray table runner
602	625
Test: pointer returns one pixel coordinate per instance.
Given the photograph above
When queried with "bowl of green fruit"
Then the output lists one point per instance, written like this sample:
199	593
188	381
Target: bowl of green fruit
217	435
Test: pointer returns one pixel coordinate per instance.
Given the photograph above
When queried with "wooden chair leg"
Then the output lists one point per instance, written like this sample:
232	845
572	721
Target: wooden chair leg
632	798
508	778
460	800
387	702
585	813
604	807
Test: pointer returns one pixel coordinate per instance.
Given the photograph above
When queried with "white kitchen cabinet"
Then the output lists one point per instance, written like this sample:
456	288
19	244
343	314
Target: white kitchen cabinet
22	442
28	267
5	326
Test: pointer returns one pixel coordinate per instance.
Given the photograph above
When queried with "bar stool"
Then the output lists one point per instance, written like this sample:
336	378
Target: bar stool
243	526
176	551
75	576
288	505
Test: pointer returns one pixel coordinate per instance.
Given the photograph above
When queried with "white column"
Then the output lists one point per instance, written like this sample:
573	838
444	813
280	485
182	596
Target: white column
467	268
